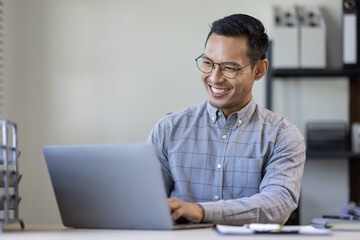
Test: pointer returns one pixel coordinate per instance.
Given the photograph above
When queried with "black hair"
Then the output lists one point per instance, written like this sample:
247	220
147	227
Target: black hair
243	25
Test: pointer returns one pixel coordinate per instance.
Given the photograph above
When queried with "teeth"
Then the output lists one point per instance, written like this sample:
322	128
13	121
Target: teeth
218	90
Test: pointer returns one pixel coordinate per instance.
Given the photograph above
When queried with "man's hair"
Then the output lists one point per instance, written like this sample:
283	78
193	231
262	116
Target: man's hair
243	25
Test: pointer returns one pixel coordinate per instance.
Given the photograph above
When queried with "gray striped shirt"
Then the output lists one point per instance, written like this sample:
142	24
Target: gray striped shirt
246	168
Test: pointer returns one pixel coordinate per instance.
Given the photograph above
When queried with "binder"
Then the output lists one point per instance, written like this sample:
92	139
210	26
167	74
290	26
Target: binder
312	35
285	37
351	33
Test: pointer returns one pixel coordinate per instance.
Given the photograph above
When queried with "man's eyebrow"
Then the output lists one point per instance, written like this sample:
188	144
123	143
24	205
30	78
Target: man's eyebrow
204	56
230	63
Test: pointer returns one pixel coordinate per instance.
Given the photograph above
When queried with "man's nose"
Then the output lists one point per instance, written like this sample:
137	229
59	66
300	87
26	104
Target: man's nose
216	75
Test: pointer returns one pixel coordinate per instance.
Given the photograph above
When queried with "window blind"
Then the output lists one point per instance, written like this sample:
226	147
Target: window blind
2	59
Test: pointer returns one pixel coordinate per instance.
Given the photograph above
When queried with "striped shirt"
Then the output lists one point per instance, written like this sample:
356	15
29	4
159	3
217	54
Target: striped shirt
241	169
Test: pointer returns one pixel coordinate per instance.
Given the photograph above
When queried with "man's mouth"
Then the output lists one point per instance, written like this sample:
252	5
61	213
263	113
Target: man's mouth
219	91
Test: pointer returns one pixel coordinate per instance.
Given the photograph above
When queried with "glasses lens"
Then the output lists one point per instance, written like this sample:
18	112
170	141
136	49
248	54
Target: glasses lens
205	65
229	71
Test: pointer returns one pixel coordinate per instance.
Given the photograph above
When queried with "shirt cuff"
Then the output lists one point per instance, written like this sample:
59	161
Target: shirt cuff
212	212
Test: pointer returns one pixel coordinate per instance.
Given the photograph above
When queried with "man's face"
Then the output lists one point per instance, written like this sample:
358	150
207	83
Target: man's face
229	95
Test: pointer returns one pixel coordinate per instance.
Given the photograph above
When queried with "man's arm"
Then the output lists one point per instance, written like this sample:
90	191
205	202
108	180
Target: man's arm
155	138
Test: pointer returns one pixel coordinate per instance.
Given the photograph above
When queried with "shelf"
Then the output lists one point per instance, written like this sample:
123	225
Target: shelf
327	155
275	73
315	72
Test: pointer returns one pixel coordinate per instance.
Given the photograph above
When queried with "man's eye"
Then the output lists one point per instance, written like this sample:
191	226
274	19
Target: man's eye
207	63
229	69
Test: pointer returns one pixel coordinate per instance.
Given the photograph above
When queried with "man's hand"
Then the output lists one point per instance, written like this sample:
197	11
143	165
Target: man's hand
185	210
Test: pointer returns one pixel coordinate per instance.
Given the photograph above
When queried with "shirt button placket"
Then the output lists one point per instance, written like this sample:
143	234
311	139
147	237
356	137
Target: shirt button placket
220	169
220	172
219	177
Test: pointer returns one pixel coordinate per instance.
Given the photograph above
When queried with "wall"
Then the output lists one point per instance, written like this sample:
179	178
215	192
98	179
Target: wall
101	71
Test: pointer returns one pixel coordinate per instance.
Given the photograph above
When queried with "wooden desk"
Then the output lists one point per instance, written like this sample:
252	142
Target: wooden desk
59	232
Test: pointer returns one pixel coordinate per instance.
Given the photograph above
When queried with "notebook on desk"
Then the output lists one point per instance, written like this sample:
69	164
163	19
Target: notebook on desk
112	186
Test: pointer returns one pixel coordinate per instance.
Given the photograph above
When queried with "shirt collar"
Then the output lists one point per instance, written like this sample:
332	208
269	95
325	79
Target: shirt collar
242	116
213	112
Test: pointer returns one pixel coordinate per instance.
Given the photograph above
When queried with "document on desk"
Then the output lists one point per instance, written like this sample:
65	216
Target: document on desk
270	229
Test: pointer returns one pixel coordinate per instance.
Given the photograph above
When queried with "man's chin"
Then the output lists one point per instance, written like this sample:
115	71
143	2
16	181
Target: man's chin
217	104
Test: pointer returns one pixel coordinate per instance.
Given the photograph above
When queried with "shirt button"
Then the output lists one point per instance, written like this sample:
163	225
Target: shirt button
219	113
240	122
217	197
224	137
219	166
213	118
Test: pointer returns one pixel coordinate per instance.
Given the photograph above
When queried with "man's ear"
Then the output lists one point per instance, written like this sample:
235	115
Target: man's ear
260	69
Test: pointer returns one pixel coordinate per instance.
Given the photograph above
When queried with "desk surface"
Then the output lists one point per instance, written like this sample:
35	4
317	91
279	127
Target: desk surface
59	232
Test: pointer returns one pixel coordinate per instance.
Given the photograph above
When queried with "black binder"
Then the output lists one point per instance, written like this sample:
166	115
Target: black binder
351	33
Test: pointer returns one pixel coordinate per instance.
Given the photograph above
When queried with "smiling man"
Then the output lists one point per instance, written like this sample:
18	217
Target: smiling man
228	160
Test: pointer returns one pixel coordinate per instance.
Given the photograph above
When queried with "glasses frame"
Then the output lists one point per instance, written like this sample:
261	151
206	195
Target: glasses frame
221	70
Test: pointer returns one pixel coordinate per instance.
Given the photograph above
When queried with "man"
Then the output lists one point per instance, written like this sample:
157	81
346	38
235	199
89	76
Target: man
228	160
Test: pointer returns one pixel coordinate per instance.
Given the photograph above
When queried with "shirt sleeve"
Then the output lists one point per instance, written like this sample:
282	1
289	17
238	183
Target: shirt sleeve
156	138
278	192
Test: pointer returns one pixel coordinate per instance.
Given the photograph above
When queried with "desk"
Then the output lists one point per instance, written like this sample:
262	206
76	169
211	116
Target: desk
59	232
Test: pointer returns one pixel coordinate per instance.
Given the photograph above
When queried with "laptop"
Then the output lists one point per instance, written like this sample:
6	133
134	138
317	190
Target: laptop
110	186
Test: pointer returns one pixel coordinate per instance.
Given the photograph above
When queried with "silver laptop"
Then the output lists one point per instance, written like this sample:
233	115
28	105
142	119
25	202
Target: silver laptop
114	186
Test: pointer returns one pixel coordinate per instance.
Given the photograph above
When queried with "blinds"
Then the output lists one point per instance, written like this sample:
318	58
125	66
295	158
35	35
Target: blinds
2	59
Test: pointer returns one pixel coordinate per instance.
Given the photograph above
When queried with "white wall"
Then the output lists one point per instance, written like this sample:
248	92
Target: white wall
101	71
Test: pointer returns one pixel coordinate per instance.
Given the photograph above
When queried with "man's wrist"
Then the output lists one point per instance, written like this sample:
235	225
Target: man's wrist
202	212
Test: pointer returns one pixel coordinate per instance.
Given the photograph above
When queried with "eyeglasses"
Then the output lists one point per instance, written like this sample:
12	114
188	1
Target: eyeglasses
228	70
